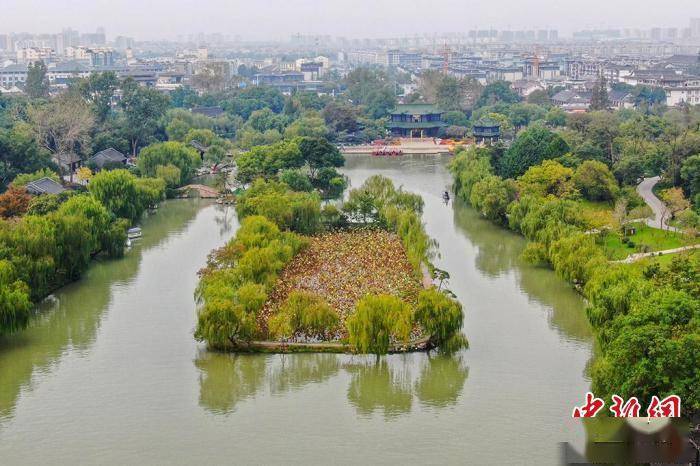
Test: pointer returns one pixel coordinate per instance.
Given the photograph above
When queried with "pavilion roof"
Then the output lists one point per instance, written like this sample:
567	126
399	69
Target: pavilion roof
415	109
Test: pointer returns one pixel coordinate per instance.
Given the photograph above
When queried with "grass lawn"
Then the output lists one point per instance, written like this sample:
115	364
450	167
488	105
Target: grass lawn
645	236
666	259
342	267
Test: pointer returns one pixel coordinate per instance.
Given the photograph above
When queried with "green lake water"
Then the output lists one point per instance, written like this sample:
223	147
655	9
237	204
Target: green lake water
109	373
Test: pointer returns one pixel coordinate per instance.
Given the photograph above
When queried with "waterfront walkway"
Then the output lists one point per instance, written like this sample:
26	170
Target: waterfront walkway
641	255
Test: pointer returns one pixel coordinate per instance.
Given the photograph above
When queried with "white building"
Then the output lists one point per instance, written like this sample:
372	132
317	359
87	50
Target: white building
688	92
78	53
13	75
32	54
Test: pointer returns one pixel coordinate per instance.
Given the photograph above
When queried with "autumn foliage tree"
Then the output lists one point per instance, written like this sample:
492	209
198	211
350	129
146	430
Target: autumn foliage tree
13	202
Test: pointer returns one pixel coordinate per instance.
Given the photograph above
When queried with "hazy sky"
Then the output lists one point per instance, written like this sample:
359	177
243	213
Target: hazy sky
275	19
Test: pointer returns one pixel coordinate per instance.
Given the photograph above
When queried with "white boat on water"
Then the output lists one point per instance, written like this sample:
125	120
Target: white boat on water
133	233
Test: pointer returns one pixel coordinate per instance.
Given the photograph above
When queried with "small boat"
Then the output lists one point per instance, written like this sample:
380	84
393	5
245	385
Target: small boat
133	233
386	151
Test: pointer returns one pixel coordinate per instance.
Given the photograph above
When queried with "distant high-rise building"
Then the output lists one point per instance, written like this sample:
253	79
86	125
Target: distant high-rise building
543	35
101	57
4	42
60	46
507	36
71	38
97	38
695	27
122	43
553	35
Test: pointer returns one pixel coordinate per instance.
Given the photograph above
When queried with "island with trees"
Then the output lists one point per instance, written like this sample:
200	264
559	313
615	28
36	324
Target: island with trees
565	181
349	278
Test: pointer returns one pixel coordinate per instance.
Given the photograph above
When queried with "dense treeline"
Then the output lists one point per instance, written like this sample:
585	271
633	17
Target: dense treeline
42	251
647	320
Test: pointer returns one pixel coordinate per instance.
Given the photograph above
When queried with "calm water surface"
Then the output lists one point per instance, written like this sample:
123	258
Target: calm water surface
110	373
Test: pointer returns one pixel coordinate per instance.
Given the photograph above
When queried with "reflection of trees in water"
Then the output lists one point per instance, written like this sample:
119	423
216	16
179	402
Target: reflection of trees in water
387	386
441	381
71	319
498	249
224	218
377	386
568	313
499	252
293	372
226	379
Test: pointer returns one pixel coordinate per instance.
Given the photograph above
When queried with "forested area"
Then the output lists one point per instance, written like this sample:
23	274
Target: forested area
646	314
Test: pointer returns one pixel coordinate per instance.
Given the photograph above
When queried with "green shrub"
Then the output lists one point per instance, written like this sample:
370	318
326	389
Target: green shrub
376	320
303	312
440	317
491	197
468	168
295	211
15	305
296	180
595	181
177	154
233	287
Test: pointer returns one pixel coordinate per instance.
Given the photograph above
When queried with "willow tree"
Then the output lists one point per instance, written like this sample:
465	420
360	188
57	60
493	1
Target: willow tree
378	319
304	312
441	317
15	304
228	317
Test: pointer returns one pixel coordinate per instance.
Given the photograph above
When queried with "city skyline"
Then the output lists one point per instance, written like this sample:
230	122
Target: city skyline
277	20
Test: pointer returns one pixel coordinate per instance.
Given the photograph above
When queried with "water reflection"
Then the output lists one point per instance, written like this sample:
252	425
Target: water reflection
70	319
441	381
378	386
388	386
227	379
293	373
495	258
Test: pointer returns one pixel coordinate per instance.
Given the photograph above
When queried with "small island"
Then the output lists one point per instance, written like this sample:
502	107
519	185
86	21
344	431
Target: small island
354	277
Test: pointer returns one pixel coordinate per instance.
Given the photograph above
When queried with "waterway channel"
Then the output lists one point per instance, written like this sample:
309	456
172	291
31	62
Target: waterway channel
109	372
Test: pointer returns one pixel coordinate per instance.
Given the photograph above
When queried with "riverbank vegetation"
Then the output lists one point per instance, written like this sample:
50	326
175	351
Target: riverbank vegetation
349	276
645	316
275	137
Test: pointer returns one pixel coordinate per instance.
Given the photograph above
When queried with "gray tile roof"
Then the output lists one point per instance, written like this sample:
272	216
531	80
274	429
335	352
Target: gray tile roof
110	155
44	186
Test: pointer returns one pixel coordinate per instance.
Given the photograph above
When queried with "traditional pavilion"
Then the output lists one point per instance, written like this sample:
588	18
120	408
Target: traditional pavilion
416	121
486	130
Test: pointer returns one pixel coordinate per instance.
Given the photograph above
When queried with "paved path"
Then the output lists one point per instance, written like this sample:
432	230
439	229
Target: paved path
641	255
661	213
